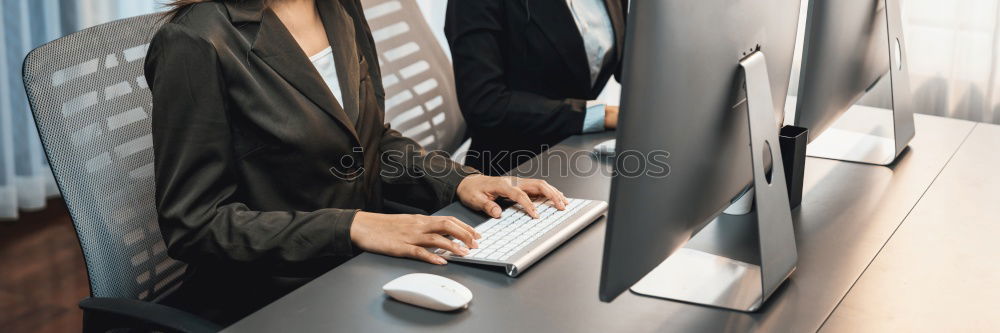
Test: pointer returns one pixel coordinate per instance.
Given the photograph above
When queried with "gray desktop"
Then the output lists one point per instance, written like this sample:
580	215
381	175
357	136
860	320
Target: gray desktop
849	46
697	86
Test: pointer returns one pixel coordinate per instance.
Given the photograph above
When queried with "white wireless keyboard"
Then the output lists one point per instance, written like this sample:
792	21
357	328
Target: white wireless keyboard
516	241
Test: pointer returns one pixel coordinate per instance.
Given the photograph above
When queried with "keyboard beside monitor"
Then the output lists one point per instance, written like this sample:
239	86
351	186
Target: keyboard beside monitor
515	241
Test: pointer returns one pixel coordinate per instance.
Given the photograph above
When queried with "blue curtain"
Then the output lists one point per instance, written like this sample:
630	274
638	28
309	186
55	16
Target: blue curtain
25	179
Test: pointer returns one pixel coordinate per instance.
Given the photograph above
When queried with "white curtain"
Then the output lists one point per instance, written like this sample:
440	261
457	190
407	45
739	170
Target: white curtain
25	179
94	12
954	57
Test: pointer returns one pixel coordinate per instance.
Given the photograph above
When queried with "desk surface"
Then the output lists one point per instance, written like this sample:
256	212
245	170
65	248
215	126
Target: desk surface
848	213
939	272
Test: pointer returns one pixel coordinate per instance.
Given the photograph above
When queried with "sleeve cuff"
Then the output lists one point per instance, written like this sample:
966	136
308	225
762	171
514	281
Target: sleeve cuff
593	121
342	244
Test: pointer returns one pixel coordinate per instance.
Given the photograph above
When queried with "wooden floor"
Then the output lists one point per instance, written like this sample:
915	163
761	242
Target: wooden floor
42	274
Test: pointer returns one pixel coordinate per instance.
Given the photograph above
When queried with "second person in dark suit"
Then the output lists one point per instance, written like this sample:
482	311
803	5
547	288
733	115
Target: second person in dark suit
528	71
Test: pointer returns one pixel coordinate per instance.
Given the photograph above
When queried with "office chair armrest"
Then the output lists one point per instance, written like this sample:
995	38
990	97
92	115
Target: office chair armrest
102	314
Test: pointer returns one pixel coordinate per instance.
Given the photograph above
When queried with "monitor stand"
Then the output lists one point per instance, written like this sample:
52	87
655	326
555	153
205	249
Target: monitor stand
704	278
870	148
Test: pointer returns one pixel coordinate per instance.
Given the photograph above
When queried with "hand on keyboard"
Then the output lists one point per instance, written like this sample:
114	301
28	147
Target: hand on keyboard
410	235
481	192
514	230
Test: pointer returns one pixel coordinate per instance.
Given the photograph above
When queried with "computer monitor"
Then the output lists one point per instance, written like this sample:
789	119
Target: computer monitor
697	87
849	45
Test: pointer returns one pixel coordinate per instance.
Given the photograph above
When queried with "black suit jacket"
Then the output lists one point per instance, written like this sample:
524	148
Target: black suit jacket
258	167
523	75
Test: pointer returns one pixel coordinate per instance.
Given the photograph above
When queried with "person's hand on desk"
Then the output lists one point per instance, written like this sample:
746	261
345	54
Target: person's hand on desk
409	235
610	117
481	192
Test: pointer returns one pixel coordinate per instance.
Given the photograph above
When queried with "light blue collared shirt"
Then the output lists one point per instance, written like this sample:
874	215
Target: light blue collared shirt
593	120
598	34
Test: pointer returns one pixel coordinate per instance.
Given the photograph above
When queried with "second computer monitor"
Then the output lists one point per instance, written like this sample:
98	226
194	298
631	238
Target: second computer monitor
846	52
850	45
682	96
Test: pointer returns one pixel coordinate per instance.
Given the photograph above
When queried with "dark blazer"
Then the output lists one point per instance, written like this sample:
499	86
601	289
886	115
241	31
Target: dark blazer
258	167
522	75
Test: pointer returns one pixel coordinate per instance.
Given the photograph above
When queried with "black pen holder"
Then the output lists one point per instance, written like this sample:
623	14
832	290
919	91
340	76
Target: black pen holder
793	154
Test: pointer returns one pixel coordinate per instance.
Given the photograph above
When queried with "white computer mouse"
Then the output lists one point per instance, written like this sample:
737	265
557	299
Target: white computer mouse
429	291
605	148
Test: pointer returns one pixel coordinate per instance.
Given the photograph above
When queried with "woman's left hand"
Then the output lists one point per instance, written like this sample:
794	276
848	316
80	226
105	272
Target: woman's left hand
481	192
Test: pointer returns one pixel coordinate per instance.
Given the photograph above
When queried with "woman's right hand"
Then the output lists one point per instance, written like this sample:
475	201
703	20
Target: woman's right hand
408	235
611	117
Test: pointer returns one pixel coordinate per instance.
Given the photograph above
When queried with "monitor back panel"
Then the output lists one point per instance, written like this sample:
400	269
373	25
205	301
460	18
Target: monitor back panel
846	52
681	98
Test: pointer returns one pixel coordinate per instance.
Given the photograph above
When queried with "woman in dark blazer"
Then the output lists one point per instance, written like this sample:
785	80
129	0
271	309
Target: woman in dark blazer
527	72
264	177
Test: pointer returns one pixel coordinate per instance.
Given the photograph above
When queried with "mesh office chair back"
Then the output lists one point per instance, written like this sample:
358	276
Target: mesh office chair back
92	107
420	99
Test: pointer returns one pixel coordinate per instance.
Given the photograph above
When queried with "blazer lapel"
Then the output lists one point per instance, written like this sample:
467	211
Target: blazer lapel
561	29
276	47
340	31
